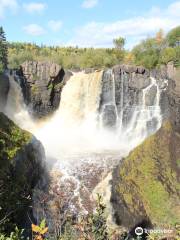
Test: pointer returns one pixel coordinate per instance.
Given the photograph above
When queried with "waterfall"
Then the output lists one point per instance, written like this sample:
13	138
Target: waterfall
75	126
76	140
80	98
15	108
146	119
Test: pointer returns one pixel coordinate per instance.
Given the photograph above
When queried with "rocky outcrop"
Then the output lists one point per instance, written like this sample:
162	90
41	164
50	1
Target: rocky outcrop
145	184
42	83
4	88
174	96
21	168
122	91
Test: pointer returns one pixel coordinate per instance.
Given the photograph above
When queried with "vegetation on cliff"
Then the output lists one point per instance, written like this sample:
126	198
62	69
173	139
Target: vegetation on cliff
12	139
161	49
146	184
20	170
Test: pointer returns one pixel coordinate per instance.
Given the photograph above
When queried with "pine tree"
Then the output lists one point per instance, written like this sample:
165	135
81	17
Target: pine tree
3	50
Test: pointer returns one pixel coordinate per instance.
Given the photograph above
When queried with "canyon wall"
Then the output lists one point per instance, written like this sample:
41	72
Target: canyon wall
21	168
145	184
41	83
4	88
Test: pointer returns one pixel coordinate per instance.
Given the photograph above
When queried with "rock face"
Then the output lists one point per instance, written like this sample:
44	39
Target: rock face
42	83
4	88
122	92
174	96
145	184
21	168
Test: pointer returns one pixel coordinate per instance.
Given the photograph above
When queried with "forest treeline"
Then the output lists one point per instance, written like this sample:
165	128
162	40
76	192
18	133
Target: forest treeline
150	53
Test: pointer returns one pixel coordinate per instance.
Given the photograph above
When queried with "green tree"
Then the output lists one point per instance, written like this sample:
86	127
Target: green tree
3	50
168	54
119	43
173	37
147	53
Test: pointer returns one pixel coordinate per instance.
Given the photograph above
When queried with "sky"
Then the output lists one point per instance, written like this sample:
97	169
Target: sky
86	23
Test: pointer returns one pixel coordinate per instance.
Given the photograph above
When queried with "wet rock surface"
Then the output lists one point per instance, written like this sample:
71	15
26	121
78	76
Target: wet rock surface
42	83
174	96
21	168
70	192
4	88
122	89
142	188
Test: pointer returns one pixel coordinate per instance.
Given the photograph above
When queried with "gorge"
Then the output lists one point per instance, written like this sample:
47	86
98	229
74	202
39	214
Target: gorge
87	122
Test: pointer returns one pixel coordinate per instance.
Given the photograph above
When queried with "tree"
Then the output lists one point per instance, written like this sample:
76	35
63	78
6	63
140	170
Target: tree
147	53
119	43
173	37
3	50
168	54
160	36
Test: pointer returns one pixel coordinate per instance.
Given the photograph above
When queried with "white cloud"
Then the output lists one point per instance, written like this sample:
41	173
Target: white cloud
34	30
89	3
55	25
5	5
174	9
100	34
35	7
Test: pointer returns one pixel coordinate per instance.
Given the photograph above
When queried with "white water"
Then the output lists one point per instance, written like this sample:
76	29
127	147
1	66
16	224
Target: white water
74	137
16	108
137	129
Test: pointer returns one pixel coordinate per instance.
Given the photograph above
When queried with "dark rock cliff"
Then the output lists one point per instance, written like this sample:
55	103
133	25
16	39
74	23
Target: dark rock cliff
21	168
42	83
174	96
4	88
122	89
145	185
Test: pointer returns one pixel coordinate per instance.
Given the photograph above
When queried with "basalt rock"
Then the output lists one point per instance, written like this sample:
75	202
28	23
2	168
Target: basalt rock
174	96
42	83
21	169
145	184
122	89
4	88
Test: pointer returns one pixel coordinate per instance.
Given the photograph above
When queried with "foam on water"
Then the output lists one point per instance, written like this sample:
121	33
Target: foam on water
74	135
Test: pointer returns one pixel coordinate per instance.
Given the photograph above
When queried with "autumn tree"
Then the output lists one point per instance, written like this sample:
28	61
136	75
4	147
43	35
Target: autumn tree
160	36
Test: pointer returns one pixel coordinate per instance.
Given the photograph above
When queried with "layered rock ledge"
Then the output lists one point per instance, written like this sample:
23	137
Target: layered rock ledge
42	83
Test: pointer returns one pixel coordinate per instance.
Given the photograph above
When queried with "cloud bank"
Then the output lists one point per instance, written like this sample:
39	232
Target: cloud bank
101	34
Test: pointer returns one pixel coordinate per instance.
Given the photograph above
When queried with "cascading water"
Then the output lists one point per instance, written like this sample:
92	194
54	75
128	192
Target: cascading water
83	148
146	119
15	107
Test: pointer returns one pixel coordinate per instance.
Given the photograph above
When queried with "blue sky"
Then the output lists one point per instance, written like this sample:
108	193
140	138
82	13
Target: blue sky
86	23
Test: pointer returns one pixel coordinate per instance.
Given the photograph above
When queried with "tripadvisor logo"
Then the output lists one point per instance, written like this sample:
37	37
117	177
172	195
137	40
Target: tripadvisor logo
139	231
